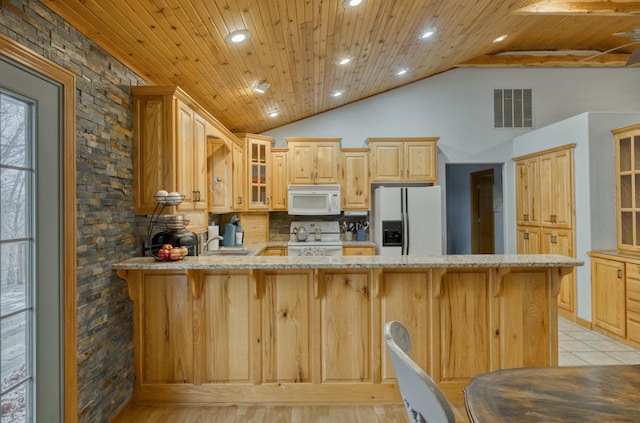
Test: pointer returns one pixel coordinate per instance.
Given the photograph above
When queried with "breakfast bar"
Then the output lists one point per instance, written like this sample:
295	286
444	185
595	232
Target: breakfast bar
267	329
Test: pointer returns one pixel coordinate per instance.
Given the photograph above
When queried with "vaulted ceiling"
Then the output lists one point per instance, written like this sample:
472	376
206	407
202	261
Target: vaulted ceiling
295	45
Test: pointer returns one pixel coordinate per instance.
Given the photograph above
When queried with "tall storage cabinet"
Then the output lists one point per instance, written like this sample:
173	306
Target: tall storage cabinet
545	212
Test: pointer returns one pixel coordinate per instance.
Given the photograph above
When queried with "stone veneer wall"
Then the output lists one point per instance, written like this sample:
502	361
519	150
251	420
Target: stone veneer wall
107	226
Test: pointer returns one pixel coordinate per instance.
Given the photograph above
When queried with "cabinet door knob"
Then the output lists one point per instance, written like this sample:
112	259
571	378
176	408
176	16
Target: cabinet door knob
526	235
619	273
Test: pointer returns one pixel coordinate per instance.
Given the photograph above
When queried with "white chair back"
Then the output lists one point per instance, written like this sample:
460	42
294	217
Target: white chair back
424	400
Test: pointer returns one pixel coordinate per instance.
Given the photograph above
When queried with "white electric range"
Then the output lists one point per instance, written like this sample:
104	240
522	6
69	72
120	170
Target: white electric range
322	239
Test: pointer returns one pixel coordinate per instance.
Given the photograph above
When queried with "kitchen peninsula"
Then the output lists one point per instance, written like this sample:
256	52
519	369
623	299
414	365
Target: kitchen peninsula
309	329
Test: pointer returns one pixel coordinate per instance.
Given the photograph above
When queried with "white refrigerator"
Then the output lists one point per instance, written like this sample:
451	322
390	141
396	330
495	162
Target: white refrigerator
407	221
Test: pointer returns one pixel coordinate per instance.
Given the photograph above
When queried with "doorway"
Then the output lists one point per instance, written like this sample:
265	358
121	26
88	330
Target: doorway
459	206
482	222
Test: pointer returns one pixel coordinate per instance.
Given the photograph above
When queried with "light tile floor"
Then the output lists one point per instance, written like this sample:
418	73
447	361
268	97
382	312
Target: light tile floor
578	346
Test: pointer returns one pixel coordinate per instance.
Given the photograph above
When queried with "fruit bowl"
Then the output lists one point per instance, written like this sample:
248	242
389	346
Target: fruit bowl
167	252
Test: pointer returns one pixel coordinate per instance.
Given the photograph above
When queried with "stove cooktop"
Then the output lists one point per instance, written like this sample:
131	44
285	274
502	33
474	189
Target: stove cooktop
318	233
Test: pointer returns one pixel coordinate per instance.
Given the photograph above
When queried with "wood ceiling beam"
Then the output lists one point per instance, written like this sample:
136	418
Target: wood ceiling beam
594	7
548	60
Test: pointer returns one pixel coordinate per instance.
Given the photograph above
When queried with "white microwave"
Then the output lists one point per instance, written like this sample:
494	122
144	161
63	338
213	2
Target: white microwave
314	200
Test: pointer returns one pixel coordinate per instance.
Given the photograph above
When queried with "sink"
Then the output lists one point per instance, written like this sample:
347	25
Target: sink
228	253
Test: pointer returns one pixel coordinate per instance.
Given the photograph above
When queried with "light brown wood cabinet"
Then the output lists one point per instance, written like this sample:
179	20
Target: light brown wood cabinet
627	148
358	251
528	239
257	165
309	335
279	179
633	303
314	160
354	179
274	251
169	148
556	189
545	212
528	191
561	241
219	175
404	160
608	296
238	185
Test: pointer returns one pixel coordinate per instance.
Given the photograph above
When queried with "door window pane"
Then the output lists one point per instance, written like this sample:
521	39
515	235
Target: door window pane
16	260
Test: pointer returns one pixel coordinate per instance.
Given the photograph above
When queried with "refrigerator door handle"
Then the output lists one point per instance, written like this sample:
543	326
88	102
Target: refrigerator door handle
402	217
406	219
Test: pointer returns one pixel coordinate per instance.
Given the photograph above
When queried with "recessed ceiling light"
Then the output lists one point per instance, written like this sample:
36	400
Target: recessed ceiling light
273	113
239	36
343	61
351	3
427	34
402	71
337	93
261	88
500	38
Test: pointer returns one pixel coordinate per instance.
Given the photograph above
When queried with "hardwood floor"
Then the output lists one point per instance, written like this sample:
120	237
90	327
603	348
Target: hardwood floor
192	413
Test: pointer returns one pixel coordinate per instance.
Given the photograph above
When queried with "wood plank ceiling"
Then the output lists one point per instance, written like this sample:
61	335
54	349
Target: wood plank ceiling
295	44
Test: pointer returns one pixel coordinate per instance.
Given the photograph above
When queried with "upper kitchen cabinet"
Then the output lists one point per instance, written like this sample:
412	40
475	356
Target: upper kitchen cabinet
314	160
354	179
279	179
220	149
627	146
238	169
170	148
404	160
258	162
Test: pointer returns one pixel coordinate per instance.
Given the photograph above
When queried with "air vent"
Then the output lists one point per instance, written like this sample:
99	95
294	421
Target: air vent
512	108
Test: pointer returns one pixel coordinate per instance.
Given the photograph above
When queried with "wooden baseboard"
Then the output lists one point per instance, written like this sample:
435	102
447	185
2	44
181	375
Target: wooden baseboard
584	323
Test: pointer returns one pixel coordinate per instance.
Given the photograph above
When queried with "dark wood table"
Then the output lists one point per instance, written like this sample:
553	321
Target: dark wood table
556	394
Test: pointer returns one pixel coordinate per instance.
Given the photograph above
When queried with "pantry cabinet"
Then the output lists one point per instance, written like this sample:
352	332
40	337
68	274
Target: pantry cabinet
314	160
404	160
169	150
556	187
354	179
279	179
528	191
545	212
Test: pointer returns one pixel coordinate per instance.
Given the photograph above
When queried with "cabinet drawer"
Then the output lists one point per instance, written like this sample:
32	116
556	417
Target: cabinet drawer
633	329
358	251
633	271
633	291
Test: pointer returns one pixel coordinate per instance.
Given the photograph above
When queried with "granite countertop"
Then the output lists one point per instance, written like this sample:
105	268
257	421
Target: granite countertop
349	262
